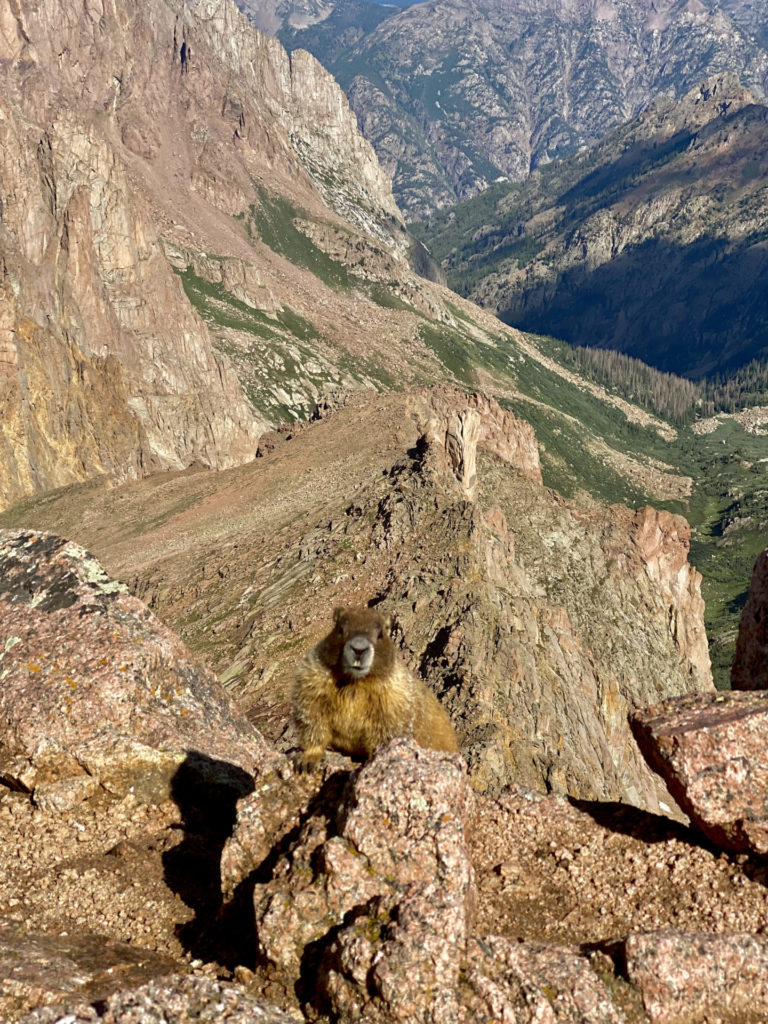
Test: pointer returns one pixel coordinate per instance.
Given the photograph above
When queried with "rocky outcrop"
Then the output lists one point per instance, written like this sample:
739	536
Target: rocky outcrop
384	920
459	427
518	672
750	663
710	750
662	541
688	977
97	695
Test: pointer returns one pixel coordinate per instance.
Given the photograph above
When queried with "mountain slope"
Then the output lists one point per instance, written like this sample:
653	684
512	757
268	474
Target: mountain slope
188	232
652	242
149	155
456	94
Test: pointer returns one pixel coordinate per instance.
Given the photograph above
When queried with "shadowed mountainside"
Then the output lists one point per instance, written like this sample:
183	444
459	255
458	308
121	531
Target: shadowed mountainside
652	243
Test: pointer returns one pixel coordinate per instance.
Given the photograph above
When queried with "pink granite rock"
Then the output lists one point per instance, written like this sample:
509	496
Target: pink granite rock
173	1000
96	692
530	981
41	969
712	752
688	977
366	912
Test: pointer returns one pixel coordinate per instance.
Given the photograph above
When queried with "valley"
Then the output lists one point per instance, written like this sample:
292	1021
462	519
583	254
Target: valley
650	243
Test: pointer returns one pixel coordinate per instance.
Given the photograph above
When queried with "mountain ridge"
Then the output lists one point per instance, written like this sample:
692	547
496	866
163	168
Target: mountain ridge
585	250
457	94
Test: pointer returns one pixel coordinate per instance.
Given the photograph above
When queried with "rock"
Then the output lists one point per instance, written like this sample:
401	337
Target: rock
526	982
97	694
663	541
37	970
689	976
332	400
174	1000
750	662
485	633
105	368
118	167
461	423
711	751
366	911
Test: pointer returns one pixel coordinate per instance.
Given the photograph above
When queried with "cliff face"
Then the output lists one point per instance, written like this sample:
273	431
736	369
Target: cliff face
107	368
540	623
124	129
266	89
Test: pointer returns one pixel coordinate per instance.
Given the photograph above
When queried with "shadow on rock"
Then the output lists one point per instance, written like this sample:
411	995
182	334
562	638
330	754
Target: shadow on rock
232	938
638	824
206	791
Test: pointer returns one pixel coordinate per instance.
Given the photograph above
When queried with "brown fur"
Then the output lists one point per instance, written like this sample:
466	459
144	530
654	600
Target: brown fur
342	702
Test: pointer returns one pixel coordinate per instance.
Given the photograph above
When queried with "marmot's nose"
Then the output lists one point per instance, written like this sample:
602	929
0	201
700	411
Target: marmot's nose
359	647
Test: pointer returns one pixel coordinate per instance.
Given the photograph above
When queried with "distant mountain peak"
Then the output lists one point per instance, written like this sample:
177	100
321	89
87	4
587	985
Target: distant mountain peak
458	94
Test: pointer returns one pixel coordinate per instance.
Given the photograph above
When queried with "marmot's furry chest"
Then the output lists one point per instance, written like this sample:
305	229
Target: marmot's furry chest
364	713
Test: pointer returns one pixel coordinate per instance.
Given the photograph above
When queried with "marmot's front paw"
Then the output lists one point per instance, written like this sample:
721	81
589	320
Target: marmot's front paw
304	762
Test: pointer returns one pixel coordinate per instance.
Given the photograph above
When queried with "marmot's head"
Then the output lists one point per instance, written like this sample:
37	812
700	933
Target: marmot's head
360	644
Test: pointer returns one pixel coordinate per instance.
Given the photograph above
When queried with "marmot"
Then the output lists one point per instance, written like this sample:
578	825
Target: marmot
352	693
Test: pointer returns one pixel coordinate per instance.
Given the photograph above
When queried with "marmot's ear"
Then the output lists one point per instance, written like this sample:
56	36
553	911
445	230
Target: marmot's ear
337	614
389	622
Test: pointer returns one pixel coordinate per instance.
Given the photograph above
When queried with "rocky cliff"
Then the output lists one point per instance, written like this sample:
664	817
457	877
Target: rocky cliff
458	94
128	136
539	622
